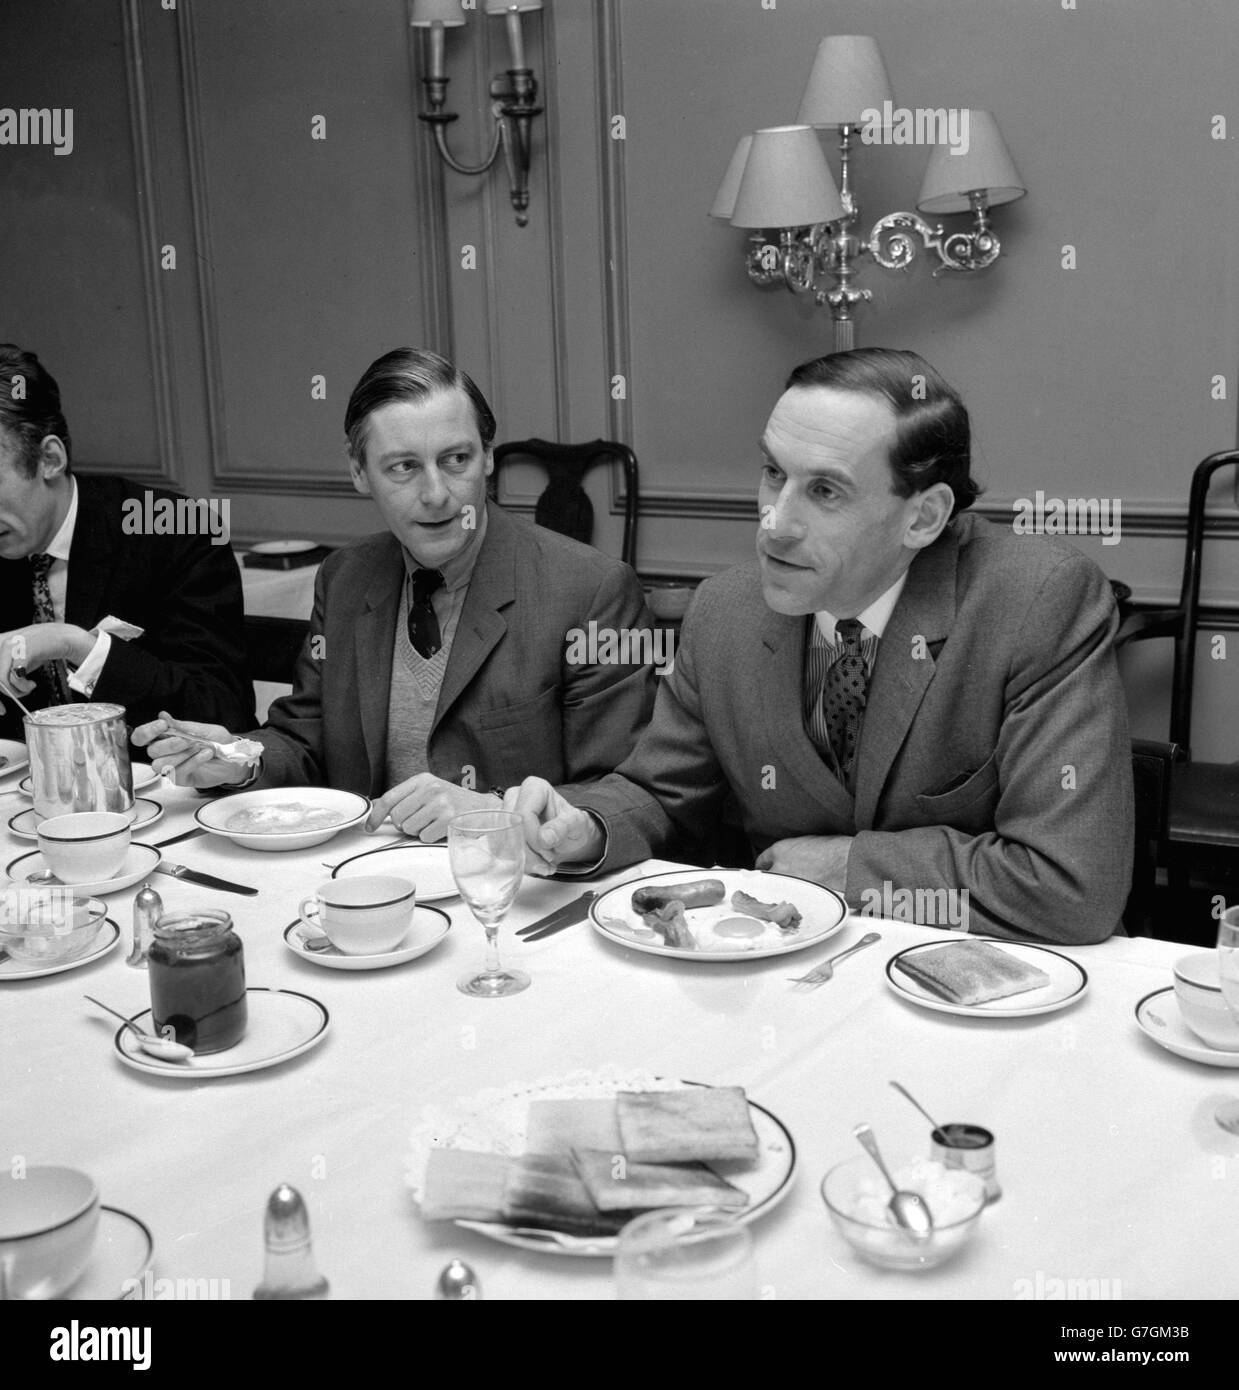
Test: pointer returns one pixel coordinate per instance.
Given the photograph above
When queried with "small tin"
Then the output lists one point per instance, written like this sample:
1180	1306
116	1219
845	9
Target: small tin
971	1148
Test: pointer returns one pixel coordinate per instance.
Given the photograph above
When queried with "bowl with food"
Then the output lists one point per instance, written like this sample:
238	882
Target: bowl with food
858	1201
283	817
45	926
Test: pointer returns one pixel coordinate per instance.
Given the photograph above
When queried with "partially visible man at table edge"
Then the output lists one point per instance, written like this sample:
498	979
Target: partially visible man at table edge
78	551
990	749
441	665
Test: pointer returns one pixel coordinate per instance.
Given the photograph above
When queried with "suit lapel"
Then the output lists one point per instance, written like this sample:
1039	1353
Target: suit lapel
372	654
783	682
919	624
492	587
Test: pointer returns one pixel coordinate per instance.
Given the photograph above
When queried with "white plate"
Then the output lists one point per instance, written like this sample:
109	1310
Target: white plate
823	912
109	936
143	812
1068	982
124	1251
351	807
425	866
283	547
1161	1019
767	1182
430	926
15	755
282	1024
144	775
140	861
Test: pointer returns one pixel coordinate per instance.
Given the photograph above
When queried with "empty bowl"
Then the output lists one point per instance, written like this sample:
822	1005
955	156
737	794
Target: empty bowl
46	925
1198	988
48	1220
86	846
857	1196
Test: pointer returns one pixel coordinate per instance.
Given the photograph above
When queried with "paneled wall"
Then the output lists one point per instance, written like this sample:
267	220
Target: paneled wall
298	259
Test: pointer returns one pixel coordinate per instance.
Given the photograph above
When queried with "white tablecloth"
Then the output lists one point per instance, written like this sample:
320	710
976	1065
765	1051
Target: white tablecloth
1111	1165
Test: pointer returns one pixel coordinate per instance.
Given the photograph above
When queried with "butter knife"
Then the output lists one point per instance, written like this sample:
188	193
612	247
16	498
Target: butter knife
575	911
206	880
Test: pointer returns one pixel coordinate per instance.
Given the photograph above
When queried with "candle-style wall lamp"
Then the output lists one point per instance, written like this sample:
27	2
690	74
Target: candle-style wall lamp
514	94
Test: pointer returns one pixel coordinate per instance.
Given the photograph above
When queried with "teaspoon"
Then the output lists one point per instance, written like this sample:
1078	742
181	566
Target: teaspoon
908	1208
164	1048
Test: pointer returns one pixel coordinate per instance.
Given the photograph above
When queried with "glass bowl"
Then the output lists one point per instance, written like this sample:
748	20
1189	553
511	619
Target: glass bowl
46	925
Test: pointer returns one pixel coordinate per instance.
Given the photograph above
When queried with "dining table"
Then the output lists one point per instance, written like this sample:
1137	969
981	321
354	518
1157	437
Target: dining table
1113	1171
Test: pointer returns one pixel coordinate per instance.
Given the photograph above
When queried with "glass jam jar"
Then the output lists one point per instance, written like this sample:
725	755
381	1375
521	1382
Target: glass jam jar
197	970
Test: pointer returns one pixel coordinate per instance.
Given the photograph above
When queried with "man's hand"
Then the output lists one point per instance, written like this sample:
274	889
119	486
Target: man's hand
176	745
820	858
556	832
43	642
424	804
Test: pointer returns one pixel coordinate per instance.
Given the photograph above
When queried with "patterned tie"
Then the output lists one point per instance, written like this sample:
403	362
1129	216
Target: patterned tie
53	676
843	695
423	625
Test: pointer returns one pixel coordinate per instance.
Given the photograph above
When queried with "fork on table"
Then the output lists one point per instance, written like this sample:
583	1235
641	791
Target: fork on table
823	972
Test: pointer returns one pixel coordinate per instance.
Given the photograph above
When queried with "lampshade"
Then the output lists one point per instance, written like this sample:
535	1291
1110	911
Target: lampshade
848	77
725	198
503	6
427	12
949	178
786	181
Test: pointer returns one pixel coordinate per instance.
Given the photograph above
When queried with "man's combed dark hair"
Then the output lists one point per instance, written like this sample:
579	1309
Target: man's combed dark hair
30	406
933	438
409	374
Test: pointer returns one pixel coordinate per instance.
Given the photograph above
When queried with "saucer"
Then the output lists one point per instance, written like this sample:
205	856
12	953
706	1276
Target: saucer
139	863
15	757
1160	1018
144	775
124	1251
282	1025
426	866
25	824
109	935
430	926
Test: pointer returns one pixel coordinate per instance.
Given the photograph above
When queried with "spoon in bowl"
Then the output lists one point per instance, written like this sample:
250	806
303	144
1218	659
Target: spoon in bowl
908	1208
164	1048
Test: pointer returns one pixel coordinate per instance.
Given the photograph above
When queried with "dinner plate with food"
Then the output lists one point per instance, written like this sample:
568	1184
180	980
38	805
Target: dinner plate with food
563	1165
278	818
980	978
718	915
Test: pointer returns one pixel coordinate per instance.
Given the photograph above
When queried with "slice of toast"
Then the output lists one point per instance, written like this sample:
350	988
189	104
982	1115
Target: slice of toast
615	1184
559	1126
545	1190
698	1122
463	1185
971	972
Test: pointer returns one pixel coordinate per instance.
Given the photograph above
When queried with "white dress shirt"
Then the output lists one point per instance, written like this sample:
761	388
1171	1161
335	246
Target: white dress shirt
87	674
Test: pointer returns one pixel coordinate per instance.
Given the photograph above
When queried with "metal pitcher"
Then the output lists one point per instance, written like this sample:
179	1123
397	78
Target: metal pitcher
79	759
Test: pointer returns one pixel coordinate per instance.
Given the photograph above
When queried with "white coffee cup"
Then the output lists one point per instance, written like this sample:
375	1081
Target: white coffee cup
87	846
48	1220
362	916
1198	988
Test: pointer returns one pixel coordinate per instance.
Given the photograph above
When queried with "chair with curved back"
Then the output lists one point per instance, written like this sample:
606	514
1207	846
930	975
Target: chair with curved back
563	505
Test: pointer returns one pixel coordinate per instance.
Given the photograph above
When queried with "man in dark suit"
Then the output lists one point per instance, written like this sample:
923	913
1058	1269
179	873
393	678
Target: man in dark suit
441	665
82	567
895	696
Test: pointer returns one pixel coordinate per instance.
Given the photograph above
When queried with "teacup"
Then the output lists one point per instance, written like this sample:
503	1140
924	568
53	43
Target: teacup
1197	987
48	1220
86	846
362	916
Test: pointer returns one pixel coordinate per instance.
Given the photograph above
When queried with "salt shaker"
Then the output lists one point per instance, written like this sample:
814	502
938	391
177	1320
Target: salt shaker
146	909
457	1282
290	1271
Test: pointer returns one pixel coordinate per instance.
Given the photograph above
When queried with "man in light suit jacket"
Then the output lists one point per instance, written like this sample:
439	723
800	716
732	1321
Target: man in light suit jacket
441	666
966	730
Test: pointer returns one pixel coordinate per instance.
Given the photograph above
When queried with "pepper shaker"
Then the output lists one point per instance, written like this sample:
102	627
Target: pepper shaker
290	1271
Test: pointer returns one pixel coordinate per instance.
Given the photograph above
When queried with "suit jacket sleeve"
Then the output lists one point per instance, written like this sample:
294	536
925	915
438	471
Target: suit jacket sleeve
1057	865
191	662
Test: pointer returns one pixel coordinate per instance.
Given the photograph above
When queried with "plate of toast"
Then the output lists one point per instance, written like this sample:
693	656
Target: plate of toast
561	1166
980	978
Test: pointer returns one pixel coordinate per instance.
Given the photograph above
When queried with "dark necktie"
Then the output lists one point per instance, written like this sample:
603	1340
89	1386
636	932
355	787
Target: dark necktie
423	625
53	676
843	695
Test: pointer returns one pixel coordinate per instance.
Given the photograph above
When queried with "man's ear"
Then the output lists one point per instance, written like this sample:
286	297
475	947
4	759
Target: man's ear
930	516
361	479
490	461
53	458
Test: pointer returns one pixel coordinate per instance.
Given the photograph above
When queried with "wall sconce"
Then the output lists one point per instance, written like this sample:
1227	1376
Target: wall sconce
780	178
514	96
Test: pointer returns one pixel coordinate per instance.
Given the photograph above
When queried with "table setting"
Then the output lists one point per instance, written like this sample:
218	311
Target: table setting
498	1083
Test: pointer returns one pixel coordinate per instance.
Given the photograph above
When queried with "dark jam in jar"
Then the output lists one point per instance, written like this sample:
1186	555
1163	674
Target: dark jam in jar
197	969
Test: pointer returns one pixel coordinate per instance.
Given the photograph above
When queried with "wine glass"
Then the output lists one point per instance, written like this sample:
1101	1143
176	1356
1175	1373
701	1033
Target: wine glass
486	850
1227	1115
685	1253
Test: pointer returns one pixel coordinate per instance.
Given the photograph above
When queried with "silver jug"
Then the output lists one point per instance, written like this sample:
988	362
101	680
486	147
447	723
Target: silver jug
79	759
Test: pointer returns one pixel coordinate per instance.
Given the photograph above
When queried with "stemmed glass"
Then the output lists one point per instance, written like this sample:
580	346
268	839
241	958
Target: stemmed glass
486	850
1227	1115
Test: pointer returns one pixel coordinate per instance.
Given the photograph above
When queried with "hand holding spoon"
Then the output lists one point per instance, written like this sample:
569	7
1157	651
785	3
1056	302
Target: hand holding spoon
908	1208
164	1048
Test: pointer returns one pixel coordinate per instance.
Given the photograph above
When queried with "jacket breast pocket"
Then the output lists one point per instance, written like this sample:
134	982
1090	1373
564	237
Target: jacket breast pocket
966	804
541	710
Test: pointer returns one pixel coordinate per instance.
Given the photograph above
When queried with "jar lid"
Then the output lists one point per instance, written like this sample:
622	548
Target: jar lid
199	924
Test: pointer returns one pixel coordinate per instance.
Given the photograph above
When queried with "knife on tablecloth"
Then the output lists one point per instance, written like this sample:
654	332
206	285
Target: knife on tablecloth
575	911
206	880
